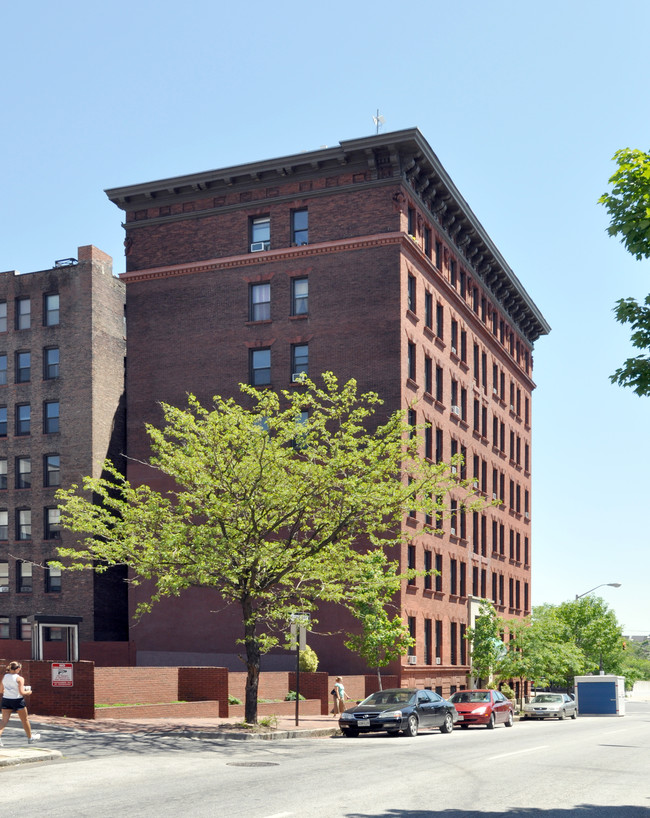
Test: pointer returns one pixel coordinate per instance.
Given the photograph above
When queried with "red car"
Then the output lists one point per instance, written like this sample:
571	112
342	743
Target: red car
488	707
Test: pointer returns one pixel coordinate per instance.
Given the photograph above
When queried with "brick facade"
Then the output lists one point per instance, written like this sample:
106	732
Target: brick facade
407	294
64	356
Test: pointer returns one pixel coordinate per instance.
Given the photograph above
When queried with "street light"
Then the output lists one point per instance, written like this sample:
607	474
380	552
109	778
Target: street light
602	585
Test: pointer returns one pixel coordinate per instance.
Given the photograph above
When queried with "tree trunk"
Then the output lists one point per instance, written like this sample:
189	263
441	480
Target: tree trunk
252	662
379	677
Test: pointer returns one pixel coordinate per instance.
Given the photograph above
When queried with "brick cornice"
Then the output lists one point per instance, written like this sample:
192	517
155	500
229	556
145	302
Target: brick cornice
293	254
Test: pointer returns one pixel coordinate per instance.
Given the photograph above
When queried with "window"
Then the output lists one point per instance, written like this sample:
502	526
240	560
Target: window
53	634
300	359
4	577
411	293
3	421
23	577
428	441
260	302
427	241
23	313
438	572
51	417
52	524
260	233
52	470
23	472
3	316
24	629
4	524
300	227
52	579
428	375
50	363
411	361
260	365
453	576
411	563
3	472
428	642
3	370
51	309
439	255
412	634
23	524
23	419
4	627
428	565
453	630
411	221
440	321
438	646
439	384
23	367
428	310
299	296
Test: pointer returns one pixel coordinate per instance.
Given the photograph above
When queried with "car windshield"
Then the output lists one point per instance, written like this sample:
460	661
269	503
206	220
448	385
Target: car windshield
547	698
470	696
384	697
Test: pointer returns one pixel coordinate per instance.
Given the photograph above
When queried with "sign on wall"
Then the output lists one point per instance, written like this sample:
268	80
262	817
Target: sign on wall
62	675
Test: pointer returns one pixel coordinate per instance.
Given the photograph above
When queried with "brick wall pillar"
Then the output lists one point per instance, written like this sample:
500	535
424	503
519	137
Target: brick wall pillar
312	686
198	684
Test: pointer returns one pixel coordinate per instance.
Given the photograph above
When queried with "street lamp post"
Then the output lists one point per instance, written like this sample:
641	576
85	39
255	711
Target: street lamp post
602	585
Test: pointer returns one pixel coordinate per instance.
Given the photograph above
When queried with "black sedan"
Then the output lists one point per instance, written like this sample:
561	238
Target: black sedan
405	709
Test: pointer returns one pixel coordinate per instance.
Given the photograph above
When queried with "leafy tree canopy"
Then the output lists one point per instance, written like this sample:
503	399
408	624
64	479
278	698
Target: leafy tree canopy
272	506
628	205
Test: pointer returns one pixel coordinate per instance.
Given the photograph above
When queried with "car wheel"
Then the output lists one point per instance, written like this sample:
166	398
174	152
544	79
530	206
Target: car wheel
560	715
490	724
448	724
411	728
351	733
510	720
574	714
524	718
392	733
464	726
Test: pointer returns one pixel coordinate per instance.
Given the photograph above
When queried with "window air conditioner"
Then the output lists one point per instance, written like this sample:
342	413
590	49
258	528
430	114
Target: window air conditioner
495	390
412	660
297	377
512	407
453	531
494	495
453	349
438	660
256	246
455	410
527	515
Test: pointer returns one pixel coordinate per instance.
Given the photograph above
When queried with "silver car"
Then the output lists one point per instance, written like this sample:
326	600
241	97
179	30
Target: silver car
550	706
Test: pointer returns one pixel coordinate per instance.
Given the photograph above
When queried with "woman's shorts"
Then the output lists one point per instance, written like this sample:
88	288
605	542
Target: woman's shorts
13	704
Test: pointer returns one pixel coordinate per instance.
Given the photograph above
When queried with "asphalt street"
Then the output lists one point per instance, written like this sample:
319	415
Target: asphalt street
590	768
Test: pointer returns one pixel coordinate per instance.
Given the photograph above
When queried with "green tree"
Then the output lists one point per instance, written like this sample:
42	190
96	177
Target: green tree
636	662
382	638
272	506
308	661
628	206
487	648
539	651
594	628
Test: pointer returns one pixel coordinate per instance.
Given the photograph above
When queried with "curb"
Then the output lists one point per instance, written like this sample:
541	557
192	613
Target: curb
271	736
11	758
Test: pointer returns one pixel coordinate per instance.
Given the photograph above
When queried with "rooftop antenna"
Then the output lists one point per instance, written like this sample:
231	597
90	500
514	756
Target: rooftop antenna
378	120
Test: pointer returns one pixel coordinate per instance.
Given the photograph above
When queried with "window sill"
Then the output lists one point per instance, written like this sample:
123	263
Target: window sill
256	323
412	316
411	384
439	342
300	317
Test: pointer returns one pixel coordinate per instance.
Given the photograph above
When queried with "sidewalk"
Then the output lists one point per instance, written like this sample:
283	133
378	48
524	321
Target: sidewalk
23	753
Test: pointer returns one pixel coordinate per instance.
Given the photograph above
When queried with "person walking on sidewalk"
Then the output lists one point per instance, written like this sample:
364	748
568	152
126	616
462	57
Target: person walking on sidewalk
13	692
338	695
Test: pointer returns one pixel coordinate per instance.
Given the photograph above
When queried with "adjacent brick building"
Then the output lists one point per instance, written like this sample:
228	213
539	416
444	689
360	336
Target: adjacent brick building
363	259
62	351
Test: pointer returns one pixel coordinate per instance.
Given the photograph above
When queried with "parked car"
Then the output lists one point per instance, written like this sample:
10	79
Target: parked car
488	707
396	709
550	706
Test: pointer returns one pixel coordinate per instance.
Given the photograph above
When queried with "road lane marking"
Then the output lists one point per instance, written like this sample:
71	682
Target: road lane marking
519	752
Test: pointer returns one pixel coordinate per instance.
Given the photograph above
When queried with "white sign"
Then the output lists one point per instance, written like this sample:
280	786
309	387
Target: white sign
62	674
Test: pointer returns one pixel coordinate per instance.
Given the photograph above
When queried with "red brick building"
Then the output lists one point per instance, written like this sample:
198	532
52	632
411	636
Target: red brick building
62	351
365	260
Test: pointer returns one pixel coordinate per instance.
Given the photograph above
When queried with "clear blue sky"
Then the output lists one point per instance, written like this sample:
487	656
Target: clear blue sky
524	104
